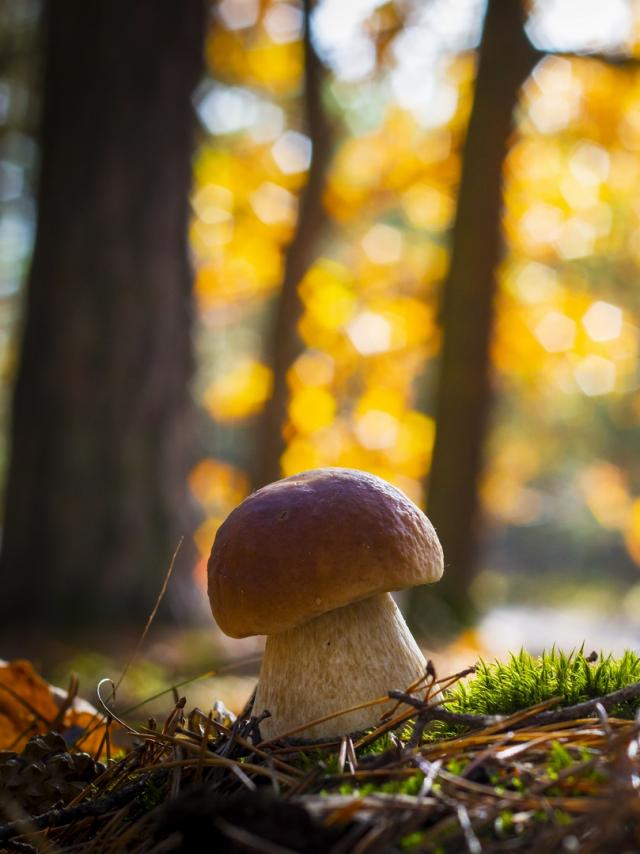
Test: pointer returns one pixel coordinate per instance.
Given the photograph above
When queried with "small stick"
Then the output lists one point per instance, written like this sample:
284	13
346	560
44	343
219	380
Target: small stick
430	771
23	847
107	730
98	753
67	815
176	774
473	843
67	703
218	762
436	713
342	755
246	781
581	710
203	747
249	841
377	702
352	759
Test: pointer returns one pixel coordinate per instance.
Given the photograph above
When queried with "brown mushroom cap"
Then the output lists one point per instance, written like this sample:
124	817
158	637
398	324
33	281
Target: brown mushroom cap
314	542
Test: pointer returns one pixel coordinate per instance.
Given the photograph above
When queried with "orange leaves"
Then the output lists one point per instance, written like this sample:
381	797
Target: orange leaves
243	215
217	484
373	172
606	492
566	339
26	704
608	495
256	59
369	318
249	267
311	409
351	393
567	203
632	532
504	489
550	333
428	207
29	705
239	393
218	487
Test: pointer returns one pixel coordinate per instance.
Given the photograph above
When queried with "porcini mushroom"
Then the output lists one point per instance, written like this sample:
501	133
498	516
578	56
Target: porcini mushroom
309	561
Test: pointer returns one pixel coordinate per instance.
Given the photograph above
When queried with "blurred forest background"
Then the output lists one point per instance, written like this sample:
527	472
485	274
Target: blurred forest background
250	237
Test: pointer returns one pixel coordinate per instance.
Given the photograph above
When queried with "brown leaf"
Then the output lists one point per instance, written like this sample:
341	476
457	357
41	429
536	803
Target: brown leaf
29	705
26	703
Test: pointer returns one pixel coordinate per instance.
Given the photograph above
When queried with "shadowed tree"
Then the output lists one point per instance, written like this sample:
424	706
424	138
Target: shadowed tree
506	57
101	440
284	344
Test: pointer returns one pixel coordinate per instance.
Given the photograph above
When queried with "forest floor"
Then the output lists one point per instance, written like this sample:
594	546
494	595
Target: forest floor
535	753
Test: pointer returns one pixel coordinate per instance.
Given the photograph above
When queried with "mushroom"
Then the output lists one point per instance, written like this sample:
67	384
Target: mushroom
309	561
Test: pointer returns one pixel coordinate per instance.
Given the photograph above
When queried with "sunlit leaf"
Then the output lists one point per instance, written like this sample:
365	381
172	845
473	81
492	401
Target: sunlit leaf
240	393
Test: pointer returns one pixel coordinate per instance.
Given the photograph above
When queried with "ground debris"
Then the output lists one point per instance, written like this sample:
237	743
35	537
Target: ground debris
560	774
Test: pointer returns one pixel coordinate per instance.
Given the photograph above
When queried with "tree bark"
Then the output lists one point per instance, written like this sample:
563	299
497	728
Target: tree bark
505	59
96	498
284	344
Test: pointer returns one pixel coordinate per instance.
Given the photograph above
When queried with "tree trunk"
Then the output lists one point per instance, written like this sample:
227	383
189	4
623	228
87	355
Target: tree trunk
101	442
506	58
284	345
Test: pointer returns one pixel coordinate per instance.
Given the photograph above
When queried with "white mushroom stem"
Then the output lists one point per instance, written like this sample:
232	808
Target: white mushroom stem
340	659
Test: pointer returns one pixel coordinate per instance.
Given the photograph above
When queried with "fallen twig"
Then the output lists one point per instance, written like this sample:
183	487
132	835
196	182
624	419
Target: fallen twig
430	711
67	815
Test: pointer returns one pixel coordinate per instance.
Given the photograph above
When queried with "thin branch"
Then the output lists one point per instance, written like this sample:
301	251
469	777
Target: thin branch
626	63
429	712
589	707
68	815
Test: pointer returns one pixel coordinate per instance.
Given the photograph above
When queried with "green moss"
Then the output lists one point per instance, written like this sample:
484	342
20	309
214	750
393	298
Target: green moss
386	741
523	681
457	765
314	759
559	758
504	823
407	786
505	688
412	840
381	744
151	796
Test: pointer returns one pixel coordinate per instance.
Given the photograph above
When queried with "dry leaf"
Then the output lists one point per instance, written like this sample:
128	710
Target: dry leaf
29	705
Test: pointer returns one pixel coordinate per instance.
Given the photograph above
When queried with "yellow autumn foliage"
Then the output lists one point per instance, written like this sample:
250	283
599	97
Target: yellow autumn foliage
565	339
239	393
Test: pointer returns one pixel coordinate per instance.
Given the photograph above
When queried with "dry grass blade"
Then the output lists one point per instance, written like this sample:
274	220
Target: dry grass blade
67	703
377	702
203	748
218	762
152	615
472	841
249	841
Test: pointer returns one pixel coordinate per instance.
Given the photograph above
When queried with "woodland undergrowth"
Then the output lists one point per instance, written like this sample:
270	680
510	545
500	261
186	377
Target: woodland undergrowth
535	753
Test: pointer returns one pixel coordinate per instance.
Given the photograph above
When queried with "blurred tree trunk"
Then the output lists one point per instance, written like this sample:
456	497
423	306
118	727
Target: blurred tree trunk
284	345
96	498
505	59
